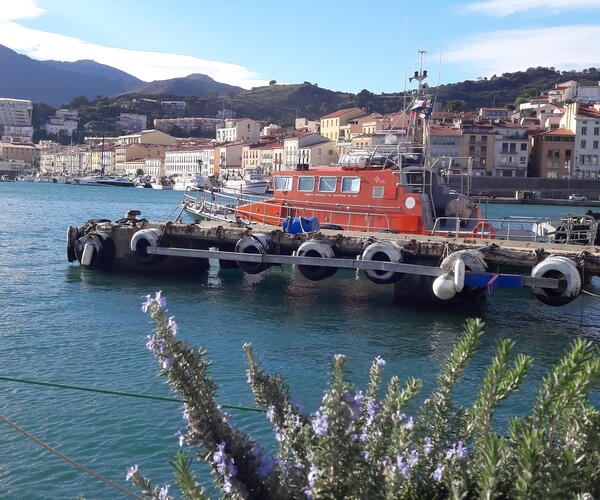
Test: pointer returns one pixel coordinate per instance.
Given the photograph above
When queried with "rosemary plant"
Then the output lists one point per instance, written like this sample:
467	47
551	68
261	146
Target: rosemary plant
359	445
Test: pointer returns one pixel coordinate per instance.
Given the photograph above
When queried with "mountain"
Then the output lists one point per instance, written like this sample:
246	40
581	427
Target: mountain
92	68
50	82
194	84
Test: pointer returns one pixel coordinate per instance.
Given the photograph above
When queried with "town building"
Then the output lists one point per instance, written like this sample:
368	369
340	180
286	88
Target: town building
584	121
565	91
64	120
331	123
494	113
511	150
27	154
154	167
443	144
124	154
239	130
173	108
134	167
477	142
103	160
228	160
198	160
309	149
307	125
196	125
15	120
552	154
155	137
588	93
131	122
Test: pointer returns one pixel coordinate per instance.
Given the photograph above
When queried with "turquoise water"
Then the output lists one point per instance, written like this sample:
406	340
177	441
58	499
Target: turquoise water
65	324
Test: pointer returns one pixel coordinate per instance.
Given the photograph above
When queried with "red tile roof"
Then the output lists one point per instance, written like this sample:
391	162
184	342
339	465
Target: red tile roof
560	131
340	112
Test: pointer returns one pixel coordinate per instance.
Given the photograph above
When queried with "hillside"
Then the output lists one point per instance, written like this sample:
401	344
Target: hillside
91	68
195	84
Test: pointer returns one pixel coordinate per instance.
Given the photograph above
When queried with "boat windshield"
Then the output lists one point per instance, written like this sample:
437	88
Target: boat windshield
283	183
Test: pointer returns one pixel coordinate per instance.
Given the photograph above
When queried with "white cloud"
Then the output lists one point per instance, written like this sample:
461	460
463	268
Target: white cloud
19	9
563	47
507	7
144	65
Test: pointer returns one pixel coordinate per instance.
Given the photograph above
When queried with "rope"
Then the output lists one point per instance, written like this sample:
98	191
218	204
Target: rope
116	393
68	460
591	294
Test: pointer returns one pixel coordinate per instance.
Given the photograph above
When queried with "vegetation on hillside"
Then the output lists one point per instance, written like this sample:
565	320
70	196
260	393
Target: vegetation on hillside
359	444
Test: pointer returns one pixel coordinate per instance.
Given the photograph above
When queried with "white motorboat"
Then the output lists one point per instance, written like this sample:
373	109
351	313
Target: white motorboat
101	180
253	182
161	184
187	182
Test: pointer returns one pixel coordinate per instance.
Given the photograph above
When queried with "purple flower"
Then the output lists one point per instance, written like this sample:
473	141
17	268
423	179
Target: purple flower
397	416
186	413
372	407
228	418
257	450
278	435
146	305
132	471
457	450
285	467
437	473
227	486
355	401
162	302
219	455
149	343
413	459
365	455
299	406
320	424
380	361
312	475
163	493
167	363
410	423
402	466
232	470
266	466
353	437
428	446
247	346
173	326
248	376
270	411
181	438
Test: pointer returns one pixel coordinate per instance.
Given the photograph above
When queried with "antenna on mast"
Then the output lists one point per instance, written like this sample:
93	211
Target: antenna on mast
421	74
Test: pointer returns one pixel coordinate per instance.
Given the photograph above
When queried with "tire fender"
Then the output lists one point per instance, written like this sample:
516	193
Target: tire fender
98	249
143	239
473	262
73	235
383	251
562	268
257	243
316	248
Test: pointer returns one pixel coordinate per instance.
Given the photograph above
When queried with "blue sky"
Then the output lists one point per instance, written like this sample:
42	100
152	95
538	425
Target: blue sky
343	45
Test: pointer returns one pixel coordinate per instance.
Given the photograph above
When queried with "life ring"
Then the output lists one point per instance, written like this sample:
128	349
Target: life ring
257	243
140	242
315	248
94	250
382	251
72	236
486	230
474	262
561	268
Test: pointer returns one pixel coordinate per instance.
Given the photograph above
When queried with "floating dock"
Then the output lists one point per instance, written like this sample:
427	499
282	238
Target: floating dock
430	267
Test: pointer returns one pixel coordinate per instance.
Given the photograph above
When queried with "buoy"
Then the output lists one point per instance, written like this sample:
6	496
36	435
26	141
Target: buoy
459	275
140	242
72	236
484	230
315	248
473	262
563	269
443	287
257	243
382	251
94	250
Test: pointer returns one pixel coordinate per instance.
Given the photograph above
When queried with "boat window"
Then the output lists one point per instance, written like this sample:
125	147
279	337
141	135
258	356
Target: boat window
377	191
306	183
282	183
327	184
350	184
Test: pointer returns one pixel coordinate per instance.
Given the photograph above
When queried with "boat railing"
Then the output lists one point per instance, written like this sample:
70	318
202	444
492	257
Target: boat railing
572	229
232	207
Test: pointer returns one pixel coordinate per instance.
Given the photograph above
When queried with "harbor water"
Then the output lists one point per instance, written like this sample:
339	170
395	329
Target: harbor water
64	324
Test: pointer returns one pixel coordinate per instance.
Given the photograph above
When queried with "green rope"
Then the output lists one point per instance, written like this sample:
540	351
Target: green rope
116	393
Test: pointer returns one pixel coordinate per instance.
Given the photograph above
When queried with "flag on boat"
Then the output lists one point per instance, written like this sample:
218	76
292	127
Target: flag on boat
423	108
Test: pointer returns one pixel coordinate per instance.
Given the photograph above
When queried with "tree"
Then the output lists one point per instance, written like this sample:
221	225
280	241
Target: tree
139	172
363	99
79	101
456	106
272	82
176	131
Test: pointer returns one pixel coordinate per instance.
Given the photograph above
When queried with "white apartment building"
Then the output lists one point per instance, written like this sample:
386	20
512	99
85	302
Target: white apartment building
196	161
511	151
63	119
154	137
295	149
228	160
132	167
15	120
154	167
584	122
71	160
239	130
588	93
132	122
103	160
444	142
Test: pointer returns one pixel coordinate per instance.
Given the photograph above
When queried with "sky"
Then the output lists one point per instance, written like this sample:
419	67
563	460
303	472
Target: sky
346	45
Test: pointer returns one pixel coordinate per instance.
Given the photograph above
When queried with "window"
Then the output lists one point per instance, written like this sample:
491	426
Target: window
472	139
596	130
484	138
350	184
513	147
306	184
283	183
583	144
522	159
377	191
524	146
595	144
583	130
327	184
505	147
